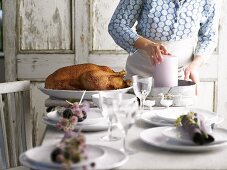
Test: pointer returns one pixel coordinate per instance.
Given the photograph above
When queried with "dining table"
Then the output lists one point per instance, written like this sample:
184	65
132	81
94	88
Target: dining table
146	156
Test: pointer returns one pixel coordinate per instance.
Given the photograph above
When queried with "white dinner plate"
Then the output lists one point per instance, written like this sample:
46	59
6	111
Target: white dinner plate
112	158
172	113
154	137
94	116
100	126
53	115
180	135
150	117
76	94
41	156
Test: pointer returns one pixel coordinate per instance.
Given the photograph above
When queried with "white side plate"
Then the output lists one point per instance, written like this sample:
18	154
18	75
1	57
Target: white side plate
85	128
149	117
94	116
172	113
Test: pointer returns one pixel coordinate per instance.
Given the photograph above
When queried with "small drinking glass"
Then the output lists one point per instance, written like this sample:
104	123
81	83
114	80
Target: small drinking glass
142	87
126	116
108	105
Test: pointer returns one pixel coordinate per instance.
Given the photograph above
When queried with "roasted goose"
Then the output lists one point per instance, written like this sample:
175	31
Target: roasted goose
86	77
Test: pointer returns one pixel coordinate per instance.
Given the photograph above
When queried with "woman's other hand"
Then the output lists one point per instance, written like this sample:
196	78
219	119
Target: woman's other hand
192	71
153	50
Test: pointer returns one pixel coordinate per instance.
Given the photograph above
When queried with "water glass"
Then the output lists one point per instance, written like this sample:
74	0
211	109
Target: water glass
108	104
142	87
126	116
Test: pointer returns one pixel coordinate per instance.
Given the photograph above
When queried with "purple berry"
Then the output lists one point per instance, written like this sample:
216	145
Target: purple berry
67	113
56	152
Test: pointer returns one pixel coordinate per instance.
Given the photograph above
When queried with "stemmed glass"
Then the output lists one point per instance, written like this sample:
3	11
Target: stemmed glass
126	115
142	87
108	104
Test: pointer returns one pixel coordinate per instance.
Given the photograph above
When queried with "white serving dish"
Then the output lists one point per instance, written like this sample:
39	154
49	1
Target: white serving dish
76	94
182	95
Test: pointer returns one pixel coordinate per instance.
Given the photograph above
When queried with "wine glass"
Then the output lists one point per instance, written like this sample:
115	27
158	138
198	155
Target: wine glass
126	116
142	87
108	104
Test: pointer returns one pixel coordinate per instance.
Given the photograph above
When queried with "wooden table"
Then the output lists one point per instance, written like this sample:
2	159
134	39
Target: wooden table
148	157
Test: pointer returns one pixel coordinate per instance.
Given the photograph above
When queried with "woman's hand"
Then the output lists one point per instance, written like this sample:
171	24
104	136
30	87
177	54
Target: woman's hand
192	71
153	50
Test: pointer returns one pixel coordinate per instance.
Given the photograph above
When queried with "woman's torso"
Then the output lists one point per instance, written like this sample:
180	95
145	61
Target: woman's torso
170	20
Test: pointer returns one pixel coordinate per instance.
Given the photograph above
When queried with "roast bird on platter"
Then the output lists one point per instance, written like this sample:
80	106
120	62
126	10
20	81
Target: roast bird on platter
86	77
71	81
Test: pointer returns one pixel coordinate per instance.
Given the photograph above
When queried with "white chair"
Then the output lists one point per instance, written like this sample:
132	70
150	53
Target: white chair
15	122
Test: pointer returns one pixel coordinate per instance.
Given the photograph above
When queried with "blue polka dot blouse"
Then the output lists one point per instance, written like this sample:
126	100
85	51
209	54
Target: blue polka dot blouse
166	20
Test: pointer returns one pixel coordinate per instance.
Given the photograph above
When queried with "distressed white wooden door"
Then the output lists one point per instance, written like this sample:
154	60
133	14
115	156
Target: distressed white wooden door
42	36
53	34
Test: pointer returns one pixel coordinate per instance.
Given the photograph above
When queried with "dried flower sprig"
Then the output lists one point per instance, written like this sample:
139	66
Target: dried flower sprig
71	115
72	149
66	124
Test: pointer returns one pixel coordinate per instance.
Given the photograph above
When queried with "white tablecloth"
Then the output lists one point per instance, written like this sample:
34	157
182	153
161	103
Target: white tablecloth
148	157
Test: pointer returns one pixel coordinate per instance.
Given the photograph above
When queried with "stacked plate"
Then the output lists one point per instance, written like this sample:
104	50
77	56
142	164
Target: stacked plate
103	157
173	138
94	121
167	116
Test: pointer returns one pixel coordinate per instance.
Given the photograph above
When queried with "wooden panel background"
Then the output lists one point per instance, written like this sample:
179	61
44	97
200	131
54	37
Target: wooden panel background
37	67
2	69
101	12
206	97
45	25
222	64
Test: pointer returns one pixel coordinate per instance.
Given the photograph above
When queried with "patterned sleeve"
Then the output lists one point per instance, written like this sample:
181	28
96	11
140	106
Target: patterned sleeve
122	21
208	32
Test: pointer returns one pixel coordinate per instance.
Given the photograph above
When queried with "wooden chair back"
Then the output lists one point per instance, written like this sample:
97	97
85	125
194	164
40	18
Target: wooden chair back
15	122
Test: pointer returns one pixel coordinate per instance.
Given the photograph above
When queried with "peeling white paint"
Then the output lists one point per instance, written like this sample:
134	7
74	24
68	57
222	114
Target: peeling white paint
45	25
101	13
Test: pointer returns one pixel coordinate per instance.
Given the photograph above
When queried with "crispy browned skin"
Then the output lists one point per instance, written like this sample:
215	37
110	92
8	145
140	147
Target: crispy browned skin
86	77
